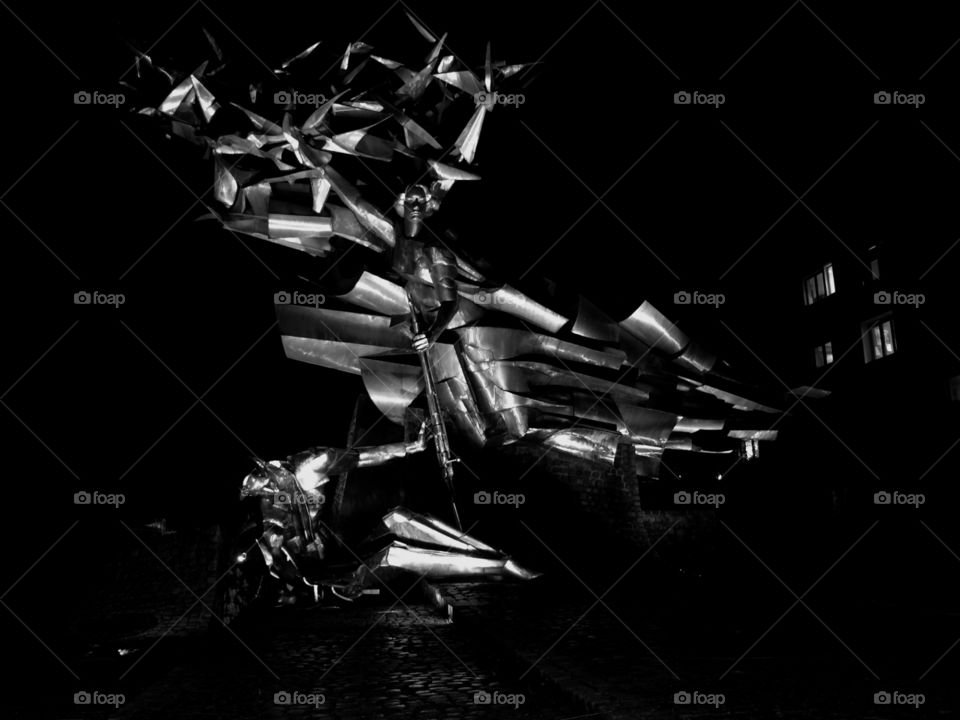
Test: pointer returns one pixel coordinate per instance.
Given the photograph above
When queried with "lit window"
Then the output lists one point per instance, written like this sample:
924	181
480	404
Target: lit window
879	340
823	354
954	383
819	285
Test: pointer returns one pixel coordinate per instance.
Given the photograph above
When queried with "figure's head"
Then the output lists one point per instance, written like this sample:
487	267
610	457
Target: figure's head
312	471
413	205
267	474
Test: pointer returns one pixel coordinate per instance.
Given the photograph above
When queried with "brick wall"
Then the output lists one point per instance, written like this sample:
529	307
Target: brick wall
627	506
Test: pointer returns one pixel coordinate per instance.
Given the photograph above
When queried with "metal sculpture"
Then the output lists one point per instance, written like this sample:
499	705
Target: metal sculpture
423	322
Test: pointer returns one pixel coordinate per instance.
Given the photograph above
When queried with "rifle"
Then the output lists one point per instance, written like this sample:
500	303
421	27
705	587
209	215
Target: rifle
441	443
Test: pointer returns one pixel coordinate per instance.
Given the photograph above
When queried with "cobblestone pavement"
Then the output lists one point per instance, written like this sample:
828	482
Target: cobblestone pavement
355	663
546	644
732	640
630	661
544	649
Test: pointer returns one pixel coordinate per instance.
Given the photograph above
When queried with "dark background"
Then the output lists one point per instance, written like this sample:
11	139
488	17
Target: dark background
108	399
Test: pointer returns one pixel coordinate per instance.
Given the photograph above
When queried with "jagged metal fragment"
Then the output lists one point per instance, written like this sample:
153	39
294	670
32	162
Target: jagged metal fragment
447	565
653	328
392	386
510	300
592	322
378	294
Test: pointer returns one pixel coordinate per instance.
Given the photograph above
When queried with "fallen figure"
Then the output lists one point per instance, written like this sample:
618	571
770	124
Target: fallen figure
283	551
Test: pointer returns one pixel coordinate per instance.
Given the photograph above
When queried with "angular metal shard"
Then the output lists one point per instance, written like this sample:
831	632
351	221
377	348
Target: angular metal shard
378	294
391	386
462	79
425	529
592	322
653	328
469	138
426	34
224	183
510	300
446	565
300	56
320	188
